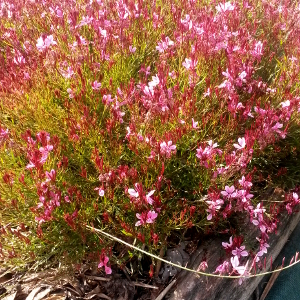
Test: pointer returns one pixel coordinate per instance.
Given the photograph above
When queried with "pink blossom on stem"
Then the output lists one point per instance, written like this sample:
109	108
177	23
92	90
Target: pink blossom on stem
229	192
242	270
151	216
85	21
285	104
3	134
245	184
164	44
194	124
263	248
167	149
207	154
132	49
258	49
228	245
144	218
223	268
241	143
148	197
43	44
214	205
190	64
240	251
100	191
51	176
134	192
222	7
96	85
103	263
71	93
67	73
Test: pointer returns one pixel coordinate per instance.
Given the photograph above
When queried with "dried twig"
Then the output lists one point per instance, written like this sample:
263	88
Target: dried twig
165	291
158	264
134	283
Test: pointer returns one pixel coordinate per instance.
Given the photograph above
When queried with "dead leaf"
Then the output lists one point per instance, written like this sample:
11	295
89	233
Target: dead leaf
102	296
33	293
93	293
42	294
96	292
6	277
56	297
11	296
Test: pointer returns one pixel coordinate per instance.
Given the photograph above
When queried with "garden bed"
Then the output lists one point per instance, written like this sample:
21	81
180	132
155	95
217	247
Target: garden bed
128	128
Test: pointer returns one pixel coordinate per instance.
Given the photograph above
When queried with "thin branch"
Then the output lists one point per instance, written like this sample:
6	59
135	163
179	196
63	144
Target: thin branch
134	283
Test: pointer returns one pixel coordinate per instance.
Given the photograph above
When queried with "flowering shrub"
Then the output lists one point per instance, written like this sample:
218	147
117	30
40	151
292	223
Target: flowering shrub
123	114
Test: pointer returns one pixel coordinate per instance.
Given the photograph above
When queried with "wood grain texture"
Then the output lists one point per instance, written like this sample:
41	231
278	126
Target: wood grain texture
194	287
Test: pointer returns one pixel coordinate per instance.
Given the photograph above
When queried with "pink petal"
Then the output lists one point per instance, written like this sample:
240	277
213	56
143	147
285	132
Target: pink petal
138	223
133	193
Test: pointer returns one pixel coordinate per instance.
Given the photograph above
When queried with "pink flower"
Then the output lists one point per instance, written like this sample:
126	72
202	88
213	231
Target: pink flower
85	21
189	63
100	191
144	218
263	247
133	192
242	270
172	75
228	245
257	52
207	93
67	73
286	103
227	6
207	154
154	82
148	197
223	268
67	199
3	134
241	144
103	263
151	216
167	149
245	184
145	70
132	49
45	151
195	124
164	44
96	85
229	192
296	198
103	32
244	195
59	13
43	44
203	266
70	92
214	205
19	59
240	252
51	176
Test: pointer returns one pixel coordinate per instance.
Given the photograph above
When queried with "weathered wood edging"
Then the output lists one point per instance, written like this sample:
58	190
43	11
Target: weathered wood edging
191	286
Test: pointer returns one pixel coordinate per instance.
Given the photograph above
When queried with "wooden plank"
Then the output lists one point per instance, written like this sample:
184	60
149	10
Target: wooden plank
194	287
